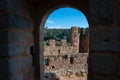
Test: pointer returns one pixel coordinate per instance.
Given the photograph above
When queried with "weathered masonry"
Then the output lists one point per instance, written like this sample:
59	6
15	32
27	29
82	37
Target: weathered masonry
21	37
67	60
79	43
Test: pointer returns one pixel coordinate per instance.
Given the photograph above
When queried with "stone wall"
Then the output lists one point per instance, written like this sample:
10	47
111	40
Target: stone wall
52	49
105	49
16	40
79	43
64	62
62	65
65	59
84	40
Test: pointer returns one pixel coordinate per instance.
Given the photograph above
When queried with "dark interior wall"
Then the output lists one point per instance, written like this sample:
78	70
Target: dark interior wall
104	41
102	12
104	49
22	25
16	39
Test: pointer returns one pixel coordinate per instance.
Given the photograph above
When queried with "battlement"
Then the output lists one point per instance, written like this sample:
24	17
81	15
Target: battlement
79	43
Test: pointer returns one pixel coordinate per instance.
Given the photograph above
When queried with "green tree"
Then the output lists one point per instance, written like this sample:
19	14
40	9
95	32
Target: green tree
57	34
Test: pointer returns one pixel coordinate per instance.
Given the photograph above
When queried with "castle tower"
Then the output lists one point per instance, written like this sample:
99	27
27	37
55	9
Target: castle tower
52	43
63	42
75	39
84	40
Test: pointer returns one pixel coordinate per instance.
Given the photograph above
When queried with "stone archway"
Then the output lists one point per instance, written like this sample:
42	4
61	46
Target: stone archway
42	25
104	36
39	19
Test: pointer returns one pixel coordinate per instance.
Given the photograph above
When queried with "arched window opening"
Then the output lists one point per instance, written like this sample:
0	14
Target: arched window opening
66	35
46	61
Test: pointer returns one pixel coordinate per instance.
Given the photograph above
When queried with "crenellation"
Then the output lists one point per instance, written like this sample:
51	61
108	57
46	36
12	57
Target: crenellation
51	43
64	47
63	42
66	56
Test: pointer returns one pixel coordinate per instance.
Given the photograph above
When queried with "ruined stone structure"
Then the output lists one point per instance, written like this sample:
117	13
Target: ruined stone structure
21	37
62	58
67	65
75	39
55	50
84	40
69	48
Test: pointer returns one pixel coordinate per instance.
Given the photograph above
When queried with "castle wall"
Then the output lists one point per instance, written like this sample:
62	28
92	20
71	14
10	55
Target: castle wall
64	64
79	43
64	58
62	49
48	50
84	40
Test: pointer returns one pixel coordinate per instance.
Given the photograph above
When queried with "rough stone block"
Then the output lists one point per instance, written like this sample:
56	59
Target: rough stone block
3	4
119	66
3	20
21	37
105	40
100	13
25	37
101	63
13	5
119	16
29	73
14	21
11	66
29	36
11	49
15	77
7	36
18	21
94	77
28	61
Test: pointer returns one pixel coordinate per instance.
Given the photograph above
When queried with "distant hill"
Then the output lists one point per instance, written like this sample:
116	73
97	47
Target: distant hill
57	34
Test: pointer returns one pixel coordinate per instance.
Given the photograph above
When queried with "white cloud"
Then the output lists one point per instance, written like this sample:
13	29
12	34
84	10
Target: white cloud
50	21
57	27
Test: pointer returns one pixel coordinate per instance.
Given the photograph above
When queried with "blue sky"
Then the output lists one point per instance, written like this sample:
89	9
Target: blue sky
65	18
